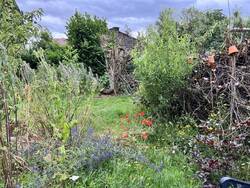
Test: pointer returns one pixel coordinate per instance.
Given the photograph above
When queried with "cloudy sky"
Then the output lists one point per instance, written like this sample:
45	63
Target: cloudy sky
136	14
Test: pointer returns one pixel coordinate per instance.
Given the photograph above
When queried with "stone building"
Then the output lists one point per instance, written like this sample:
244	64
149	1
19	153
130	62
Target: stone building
123	40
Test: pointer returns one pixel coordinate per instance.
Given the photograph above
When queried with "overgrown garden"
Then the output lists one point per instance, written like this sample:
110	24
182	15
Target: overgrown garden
186	124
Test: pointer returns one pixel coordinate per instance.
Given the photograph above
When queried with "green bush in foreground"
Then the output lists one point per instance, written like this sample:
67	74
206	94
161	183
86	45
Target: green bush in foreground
162	65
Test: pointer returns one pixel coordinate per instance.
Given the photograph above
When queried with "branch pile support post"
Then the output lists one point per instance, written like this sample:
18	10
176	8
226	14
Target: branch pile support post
233	89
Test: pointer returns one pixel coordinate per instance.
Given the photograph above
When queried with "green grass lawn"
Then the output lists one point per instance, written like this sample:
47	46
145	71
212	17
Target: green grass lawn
108	110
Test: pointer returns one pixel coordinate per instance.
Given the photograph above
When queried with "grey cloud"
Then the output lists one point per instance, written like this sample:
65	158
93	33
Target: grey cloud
137	14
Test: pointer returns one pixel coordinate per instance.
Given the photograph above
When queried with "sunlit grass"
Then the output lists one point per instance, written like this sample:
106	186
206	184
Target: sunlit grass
107	112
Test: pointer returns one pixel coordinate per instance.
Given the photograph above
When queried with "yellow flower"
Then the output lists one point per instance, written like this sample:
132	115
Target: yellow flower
181	133
210	128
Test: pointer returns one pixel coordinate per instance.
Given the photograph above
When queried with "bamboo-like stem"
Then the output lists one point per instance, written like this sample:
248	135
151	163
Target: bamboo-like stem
6	154
233	90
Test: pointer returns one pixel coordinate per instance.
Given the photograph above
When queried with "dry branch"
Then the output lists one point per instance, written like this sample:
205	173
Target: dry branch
230	85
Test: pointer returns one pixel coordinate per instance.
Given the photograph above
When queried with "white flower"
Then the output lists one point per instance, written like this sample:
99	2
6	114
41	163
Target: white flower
74	178
206	79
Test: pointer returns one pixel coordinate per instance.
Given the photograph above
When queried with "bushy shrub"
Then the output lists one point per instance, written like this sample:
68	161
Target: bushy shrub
104	80
220	150
161	67
55	98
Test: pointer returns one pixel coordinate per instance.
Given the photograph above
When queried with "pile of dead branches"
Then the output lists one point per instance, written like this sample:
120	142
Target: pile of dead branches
222	78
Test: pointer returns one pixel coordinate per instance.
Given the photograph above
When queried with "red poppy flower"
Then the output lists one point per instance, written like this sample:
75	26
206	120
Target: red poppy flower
142	113
147	122
125	135
144	135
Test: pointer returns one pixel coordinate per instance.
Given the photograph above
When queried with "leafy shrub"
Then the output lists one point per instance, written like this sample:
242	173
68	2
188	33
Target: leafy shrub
161	67
221	150
104	80
55	98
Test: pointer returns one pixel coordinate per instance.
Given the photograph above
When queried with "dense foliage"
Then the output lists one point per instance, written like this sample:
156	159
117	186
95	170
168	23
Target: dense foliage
84	33
161	67
16	27
46	112
55	97
53	52
207	29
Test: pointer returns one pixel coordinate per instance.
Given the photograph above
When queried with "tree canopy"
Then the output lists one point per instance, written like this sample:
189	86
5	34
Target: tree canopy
84	33
206	29
16	27
53	52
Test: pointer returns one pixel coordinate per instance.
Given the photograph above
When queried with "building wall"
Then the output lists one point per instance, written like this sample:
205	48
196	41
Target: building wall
122	39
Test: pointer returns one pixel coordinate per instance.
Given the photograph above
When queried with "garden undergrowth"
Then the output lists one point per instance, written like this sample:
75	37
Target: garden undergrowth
102	161
108	118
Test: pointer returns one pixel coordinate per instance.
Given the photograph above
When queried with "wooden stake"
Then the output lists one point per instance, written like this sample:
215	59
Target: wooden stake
233	90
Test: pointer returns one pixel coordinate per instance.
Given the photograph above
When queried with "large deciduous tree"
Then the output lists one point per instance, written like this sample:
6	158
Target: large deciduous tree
207	29
84	33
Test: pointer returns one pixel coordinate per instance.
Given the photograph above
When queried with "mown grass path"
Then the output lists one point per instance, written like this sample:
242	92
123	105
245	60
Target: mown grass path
108	110
119	173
